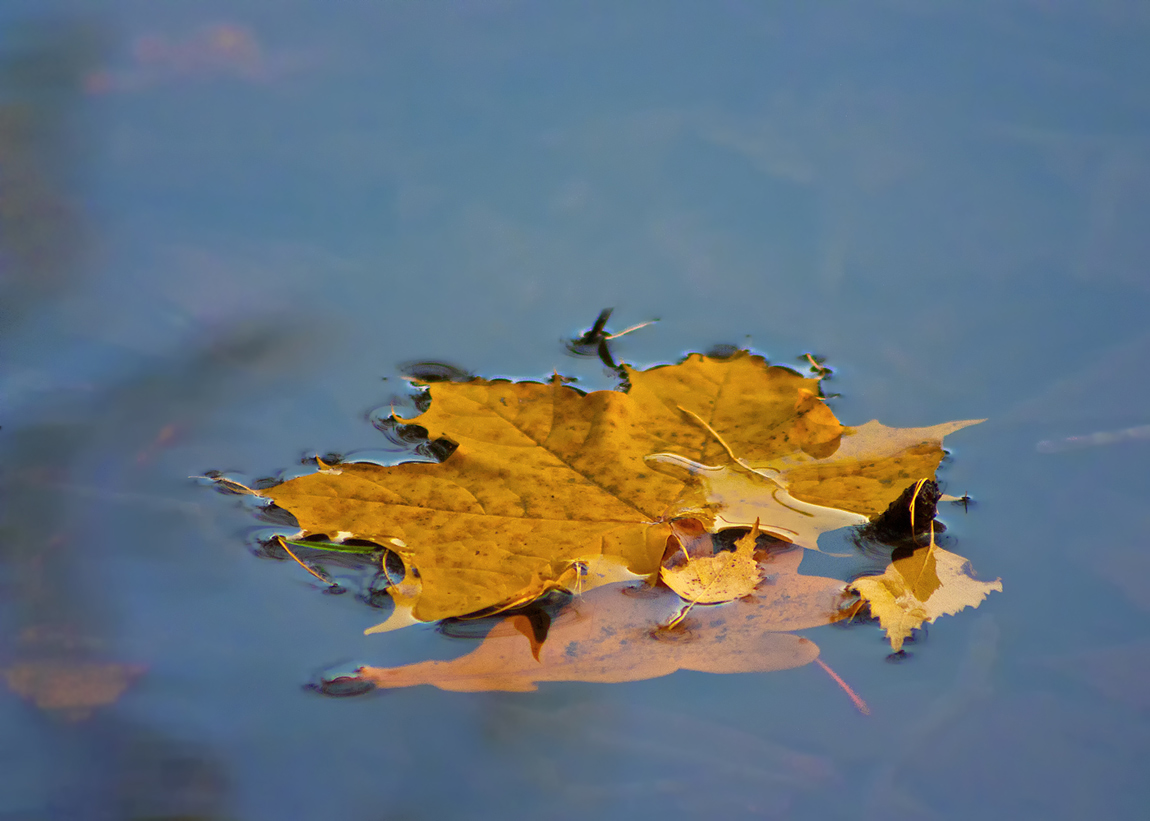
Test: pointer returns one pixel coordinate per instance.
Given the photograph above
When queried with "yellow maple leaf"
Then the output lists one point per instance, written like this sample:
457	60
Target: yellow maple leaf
545	478
918	588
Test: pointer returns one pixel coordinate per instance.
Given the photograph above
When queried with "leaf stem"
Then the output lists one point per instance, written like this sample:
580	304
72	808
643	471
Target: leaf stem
855	697
628	330
283	544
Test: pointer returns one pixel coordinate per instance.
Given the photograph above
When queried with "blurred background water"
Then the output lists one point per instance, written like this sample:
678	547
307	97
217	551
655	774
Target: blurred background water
222	223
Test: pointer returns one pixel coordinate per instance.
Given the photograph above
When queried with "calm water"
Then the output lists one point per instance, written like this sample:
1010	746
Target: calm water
223	223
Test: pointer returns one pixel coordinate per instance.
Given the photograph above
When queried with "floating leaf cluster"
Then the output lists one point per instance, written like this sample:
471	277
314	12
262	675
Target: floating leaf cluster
549	494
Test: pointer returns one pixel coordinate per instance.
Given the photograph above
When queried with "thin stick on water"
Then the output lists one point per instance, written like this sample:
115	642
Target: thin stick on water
855	697
629	330
283	543
230	484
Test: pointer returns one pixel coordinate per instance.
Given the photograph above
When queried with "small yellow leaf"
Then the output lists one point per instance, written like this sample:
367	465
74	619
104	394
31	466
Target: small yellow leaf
723	577
919	588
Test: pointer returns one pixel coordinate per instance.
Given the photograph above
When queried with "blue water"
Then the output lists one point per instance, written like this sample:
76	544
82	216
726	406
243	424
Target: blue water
243	215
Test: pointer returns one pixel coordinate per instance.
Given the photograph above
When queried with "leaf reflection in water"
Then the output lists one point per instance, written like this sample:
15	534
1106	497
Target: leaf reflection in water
612	635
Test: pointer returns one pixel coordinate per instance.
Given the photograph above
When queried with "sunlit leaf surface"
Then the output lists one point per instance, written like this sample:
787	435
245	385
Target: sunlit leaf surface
545	477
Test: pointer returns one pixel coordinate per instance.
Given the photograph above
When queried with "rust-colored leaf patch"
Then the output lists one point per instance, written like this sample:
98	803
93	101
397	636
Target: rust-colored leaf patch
70	687
611	635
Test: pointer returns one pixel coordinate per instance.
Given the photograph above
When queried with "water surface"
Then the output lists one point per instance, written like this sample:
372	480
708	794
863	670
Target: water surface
232	220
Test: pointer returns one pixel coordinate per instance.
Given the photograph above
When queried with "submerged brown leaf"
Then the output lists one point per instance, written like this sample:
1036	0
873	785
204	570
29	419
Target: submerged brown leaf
614	633
70	687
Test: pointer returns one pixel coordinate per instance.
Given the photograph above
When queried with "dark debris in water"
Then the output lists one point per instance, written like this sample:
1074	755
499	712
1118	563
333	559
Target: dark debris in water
275	515
723	350
414	438
596	341
539	615
817	365
893	526
339	681
426	372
